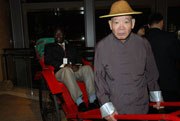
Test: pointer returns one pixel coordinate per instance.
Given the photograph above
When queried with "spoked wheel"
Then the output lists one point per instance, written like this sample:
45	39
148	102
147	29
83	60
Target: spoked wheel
49	107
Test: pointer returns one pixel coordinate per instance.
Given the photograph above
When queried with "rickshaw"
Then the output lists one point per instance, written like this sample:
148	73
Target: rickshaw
54	96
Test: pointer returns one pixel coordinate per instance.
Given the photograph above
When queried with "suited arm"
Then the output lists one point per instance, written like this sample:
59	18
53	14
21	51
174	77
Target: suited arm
152	76
75	58
175	47
50	58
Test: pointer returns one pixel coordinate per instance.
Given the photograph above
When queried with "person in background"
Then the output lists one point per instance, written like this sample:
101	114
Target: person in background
141	30
125	68
68	69
166	49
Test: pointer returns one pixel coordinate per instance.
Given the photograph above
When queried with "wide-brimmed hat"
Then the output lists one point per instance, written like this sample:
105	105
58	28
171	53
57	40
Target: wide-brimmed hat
120	8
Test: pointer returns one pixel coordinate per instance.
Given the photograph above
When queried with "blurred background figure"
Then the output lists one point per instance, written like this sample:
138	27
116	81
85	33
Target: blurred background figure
166	49
141	30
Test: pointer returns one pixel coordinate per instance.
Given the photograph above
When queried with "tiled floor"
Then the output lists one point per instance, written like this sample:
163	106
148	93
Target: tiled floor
20	105
14	108
22	92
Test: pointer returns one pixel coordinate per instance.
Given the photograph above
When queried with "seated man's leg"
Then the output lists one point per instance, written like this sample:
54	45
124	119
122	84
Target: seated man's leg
86	75
66	76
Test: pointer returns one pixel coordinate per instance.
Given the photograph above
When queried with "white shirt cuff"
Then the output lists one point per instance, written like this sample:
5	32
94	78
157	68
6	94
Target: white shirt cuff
156	96
107	109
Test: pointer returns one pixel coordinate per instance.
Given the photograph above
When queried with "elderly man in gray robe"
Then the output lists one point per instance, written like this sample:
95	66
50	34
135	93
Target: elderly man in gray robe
125	69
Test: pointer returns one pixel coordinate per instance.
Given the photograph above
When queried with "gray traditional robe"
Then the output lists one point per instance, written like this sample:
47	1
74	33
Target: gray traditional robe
123	71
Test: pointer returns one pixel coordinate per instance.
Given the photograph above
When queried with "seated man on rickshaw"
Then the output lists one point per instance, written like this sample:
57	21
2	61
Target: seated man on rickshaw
69	69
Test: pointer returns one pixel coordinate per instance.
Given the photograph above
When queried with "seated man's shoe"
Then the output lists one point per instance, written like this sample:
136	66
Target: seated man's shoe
82	107
93	105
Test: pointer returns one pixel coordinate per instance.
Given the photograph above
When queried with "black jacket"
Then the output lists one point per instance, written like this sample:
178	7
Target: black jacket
54	55
166	49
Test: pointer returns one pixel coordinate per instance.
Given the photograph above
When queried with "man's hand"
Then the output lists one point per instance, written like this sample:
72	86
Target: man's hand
68	65
157	106
111	117
75	68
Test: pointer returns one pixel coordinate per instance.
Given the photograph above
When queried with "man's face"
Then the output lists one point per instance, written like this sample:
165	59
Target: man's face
59	36
121	26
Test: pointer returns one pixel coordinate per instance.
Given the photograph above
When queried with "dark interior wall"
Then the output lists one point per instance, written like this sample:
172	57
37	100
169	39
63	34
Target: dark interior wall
5	32
5	26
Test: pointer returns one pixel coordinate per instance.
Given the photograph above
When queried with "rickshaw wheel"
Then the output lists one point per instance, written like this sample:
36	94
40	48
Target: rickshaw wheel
49	107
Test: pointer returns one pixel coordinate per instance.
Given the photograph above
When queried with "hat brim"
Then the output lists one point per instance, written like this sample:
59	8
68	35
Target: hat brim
120	14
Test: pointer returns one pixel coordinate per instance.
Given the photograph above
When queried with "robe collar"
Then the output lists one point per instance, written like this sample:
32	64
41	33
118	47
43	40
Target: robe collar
119	41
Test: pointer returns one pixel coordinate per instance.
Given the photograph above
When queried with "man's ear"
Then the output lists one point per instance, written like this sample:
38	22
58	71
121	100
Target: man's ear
133	23
110	24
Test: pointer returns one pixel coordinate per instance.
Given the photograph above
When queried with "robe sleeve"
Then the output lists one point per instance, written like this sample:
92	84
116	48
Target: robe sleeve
152	76
102	88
